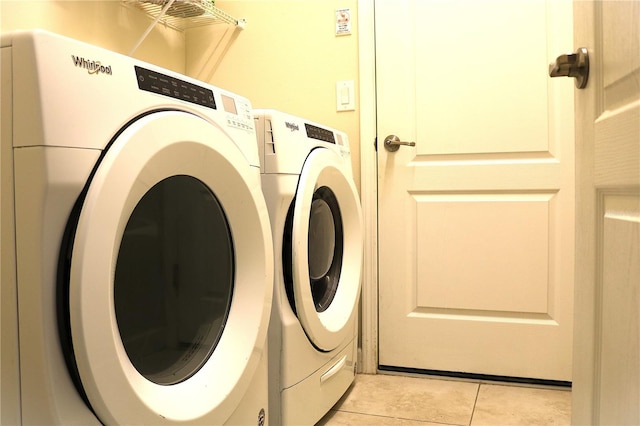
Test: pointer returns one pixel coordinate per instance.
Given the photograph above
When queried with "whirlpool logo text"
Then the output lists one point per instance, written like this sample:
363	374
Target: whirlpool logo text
92	67
292	126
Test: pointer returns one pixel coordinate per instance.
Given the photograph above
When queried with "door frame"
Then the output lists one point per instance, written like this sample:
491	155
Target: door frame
368	353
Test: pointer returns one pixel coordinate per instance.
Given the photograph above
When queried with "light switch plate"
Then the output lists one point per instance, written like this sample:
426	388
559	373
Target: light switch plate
345	96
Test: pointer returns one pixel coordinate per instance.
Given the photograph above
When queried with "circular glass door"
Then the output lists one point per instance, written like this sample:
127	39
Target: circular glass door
171	275
325	249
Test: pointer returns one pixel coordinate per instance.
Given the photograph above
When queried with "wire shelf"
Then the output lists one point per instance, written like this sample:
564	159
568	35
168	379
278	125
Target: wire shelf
184	14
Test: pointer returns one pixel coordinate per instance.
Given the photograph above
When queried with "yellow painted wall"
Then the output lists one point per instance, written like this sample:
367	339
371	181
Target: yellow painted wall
287	58
106	23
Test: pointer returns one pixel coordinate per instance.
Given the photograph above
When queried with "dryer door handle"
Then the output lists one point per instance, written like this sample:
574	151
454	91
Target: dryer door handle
335	369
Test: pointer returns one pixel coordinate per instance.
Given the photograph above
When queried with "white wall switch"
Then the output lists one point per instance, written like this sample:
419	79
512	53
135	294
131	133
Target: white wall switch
345	96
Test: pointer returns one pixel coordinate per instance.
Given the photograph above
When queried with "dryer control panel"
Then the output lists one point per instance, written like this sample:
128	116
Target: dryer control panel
319	133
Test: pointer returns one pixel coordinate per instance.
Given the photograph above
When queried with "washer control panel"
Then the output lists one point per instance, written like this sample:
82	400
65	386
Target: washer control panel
155	82
239	113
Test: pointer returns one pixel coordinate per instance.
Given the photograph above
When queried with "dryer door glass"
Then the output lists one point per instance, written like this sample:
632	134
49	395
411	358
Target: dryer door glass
325	246
174	279
323	234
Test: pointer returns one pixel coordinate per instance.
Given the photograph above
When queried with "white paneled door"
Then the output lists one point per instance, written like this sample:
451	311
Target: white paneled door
476	221
606	387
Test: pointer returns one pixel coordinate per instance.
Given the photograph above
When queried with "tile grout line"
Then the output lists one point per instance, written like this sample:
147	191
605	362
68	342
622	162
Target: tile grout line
475	403
382	416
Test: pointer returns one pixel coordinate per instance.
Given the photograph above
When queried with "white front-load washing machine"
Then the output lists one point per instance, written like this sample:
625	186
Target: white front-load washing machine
316	222
137	262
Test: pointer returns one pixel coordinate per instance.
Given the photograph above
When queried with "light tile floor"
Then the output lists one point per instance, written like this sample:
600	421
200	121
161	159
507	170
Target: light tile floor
400	400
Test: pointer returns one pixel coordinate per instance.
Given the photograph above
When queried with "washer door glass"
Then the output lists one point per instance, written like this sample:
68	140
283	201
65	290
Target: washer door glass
174	279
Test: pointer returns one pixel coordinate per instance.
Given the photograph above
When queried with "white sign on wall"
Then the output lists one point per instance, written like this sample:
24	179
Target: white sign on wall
343	22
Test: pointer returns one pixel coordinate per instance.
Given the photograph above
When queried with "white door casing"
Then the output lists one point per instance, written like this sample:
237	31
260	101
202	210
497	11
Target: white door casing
368	332
476	221
606	374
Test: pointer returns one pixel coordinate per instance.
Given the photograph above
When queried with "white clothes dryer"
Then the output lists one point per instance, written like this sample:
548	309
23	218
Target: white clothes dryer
137	262
316	222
